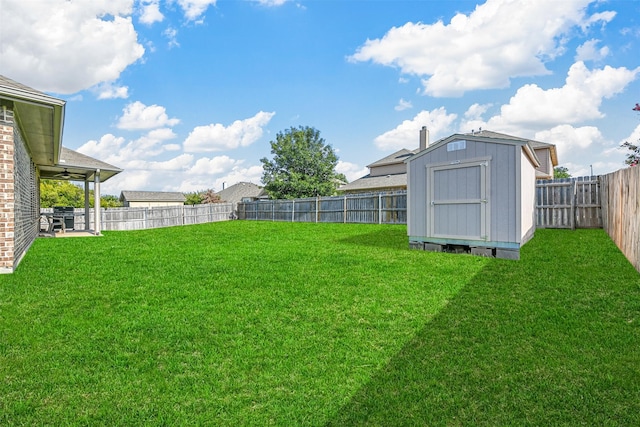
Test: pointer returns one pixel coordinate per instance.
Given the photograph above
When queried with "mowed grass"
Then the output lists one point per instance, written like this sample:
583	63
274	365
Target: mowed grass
257	323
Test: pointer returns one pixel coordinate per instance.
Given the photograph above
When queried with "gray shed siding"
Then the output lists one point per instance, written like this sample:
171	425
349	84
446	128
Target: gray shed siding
504	180
480	195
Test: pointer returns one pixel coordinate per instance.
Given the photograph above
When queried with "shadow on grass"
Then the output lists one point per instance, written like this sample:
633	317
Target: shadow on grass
550	339
385	237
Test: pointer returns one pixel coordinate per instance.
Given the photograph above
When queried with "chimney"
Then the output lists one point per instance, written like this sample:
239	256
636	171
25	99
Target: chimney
424	138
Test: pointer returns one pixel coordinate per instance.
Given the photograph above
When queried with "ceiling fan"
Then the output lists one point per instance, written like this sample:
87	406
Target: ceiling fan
68	175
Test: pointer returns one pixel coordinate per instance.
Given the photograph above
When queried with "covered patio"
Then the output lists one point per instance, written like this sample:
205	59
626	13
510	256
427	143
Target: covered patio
31	128
74	166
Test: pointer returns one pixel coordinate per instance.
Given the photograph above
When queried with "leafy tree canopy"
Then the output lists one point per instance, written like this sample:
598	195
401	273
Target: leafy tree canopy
302	166
193	198
633	154
64	193
633	150
561	172
202	197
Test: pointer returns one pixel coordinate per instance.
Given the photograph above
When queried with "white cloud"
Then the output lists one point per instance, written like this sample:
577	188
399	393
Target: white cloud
407	134
150	12
67	46
193	9
236	174
217	137
476	111
578	100
213	166
351	170
139	116
569	139
105	149
533	108
403	105
172	36
588	51
108	90
116	151
272	2
499	40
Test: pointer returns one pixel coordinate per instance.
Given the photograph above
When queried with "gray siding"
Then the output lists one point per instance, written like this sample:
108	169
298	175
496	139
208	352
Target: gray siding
27	197
503	195
388	169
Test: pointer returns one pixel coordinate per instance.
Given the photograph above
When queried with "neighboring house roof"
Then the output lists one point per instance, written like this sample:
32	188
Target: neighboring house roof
242	190
395	158
152	196
371	183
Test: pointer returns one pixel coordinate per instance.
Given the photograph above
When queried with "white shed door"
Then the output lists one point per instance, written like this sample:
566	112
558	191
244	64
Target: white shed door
458	204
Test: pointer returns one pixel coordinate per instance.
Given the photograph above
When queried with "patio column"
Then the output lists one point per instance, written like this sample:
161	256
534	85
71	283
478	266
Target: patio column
87	205
96	203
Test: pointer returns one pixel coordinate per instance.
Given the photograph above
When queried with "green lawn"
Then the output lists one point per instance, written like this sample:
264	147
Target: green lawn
258	323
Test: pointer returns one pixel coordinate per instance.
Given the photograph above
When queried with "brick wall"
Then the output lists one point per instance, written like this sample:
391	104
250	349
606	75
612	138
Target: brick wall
7	200
19	195
27	198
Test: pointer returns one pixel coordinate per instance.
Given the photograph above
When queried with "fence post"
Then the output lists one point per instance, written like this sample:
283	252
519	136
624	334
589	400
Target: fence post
317	207
379	208
293	210
344	214
574	196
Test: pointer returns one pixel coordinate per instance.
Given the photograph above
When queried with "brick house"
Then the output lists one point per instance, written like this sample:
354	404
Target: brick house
31	125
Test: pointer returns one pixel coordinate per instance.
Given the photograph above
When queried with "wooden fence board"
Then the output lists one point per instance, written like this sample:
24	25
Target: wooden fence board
568	203
160	216
621	211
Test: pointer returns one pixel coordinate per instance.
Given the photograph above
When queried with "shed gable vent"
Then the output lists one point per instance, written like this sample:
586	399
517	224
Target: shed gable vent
457	145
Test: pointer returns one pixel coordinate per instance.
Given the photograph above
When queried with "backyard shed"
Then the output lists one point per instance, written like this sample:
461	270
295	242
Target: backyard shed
472	192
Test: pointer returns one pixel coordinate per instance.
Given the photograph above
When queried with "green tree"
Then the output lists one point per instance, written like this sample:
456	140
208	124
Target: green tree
561	172
107	201
64	193
302	166
60	193
193	198
633	154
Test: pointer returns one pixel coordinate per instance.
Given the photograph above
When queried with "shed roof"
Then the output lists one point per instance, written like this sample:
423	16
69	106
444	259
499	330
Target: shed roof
533	143
152	196
484	136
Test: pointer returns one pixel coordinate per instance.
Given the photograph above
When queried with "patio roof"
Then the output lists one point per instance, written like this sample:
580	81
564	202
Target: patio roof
74	166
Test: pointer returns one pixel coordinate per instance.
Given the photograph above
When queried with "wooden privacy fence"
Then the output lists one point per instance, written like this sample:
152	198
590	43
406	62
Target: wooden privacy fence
568	203
621	211
381	208
155	217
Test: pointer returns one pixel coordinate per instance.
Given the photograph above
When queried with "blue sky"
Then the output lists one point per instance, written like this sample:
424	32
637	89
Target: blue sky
186	95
